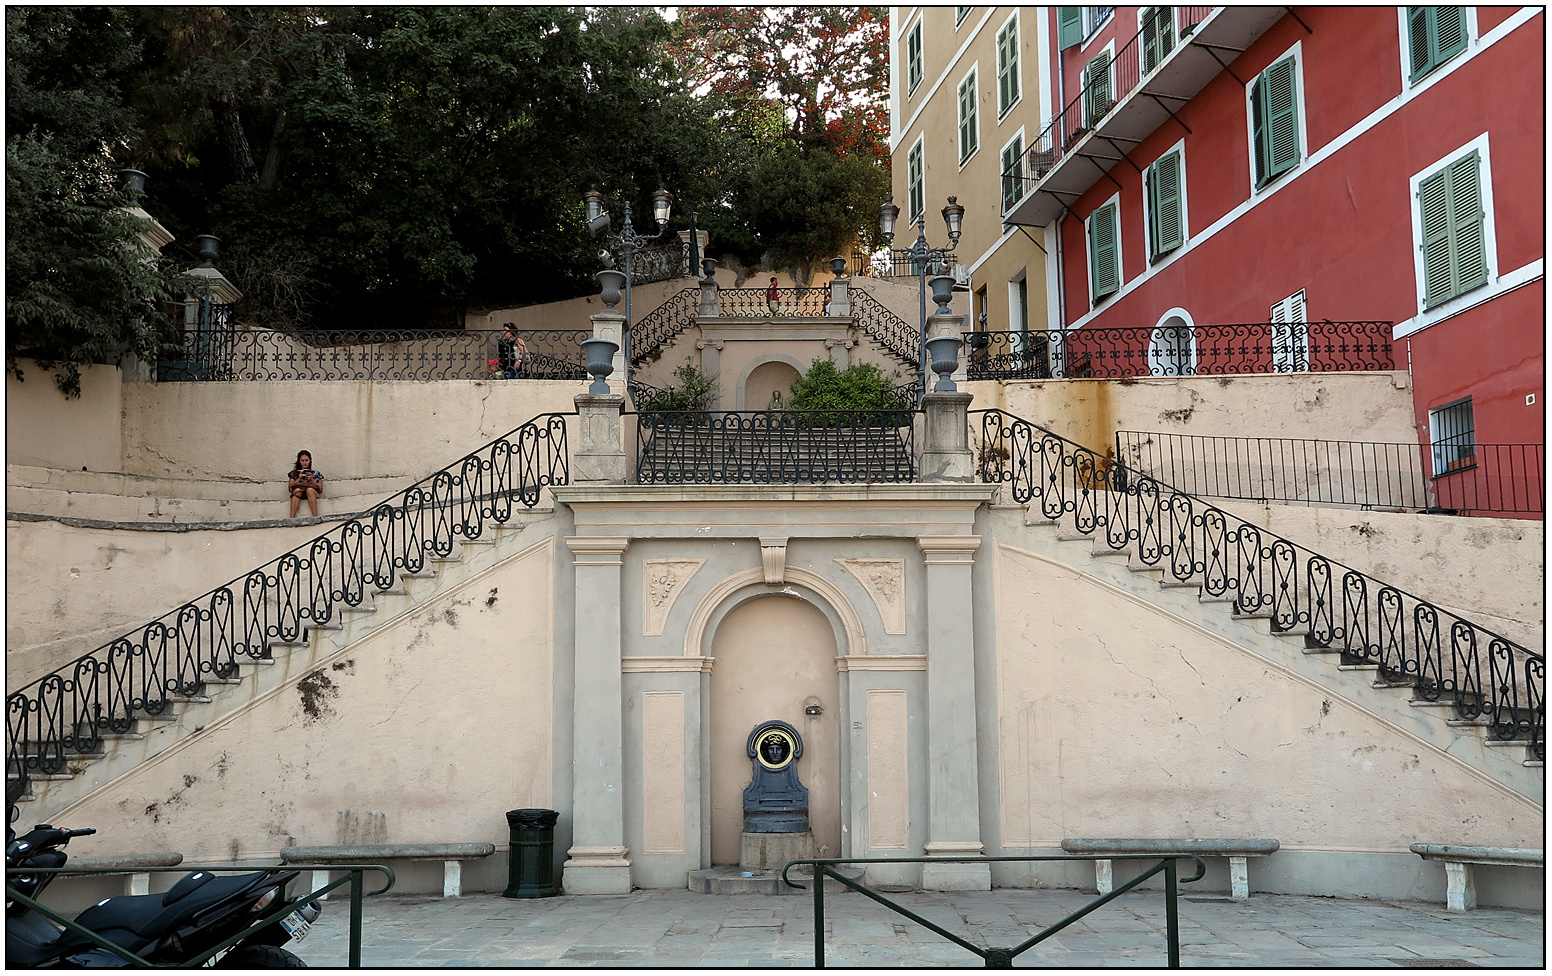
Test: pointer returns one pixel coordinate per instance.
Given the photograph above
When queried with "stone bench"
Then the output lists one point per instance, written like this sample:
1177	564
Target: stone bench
1461	888
1237	850
452	857
132	865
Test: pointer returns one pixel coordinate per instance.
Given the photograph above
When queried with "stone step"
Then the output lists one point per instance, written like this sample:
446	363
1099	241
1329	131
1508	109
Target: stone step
736	881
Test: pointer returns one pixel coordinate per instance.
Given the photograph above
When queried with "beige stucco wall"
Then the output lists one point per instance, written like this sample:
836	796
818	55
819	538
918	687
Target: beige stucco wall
252	431
376	745
1119	719
44	427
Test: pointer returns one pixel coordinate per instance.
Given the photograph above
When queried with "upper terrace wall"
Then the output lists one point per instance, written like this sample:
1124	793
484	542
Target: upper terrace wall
42	427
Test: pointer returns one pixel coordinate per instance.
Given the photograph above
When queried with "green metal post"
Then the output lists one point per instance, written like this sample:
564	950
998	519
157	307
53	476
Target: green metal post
819	880
355	919
1171	914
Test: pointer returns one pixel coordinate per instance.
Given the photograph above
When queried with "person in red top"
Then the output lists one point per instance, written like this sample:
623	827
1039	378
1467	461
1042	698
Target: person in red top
771	295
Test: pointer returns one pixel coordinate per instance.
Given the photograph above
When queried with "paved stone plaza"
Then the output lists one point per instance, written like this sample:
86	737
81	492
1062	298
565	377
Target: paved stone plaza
680	928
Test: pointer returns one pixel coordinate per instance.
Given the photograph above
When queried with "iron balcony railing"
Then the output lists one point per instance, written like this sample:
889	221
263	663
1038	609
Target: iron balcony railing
1490	478
1488	678
68	712
756	302
1203	350
1103	88
774	446
649	265
459	354
902	264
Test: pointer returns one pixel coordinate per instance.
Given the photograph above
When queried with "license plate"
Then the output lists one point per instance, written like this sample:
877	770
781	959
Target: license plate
296	926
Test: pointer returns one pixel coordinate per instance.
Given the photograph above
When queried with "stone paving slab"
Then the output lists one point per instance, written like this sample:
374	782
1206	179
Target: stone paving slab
681	929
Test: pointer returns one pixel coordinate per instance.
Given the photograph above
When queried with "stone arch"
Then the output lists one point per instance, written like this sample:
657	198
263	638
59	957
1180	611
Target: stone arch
743	378
750	584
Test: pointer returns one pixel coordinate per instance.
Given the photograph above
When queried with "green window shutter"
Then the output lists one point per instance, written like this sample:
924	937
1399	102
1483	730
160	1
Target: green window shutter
913	56
1166	229
1102	252
1417	30
1069	27
1275	121
1433	201
1096	88
1007	67
1449	33
1158	38
968	137
1467	233
1012	174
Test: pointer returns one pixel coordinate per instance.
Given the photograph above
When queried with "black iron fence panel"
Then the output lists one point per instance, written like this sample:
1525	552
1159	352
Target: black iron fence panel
1202	350
460	354
898	337
1487	677
760	303
1499	478
774	446
901	263
658	327
649	265
67	712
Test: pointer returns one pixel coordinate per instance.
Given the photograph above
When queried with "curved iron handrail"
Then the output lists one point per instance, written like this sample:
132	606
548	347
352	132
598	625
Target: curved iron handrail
1487	677
889	330
68	710
651	331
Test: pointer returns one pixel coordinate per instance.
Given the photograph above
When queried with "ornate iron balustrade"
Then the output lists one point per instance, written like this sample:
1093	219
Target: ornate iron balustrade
898	337
650	265
1099	95
774	446
1488	678
1504	478
752	303
655	329
67	712
898	263
462	354
1203	350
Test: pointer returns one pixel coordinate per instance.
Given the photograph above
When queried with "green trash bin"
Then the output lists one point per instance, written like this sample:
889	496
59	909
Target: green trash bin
532	868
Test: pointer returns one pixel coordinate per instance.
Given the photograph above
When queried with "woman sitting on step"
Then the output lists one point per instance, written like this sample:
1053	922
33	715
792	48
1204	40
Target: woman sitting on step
304	482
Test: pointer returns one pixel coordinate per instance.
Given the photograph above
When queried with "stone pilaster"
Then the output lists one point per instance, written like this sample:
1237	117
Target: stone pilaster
598	862
953	793
946	438
611	325
840	352
599	458
711	362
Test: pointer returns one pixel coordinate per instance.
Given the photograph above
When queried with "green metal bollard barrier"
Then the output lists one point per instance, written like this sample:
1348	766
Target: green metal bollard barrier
532	865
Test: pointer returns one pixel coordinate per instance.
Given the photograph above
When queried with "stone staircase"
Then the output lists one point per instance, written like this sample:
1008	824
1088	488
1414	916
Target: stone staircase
187	714
1511	762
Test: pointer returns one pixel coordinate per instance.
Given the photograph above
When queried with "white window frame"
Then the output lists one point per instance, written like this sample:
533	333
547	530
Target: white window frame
1185	209
1473	39
1428	316
1092	24
921	47
1297	53
1154	355
973	76
1294	339
919	150
1023	151
959	18
1088	250
1439	464
1018	67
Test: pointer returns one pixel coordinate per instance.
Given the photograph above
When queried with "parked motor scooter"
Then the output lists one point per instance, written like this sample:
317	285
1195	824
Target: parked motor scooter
198	913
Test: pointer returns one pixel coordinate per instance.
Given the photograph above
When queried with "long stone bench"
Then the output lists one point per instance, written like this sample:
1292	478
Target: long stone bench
452	857
1237	850
133	865
1460	883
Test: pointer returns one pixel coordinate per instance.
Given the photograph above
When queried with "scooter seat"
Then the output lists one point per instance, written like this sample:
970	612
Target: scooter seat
145	916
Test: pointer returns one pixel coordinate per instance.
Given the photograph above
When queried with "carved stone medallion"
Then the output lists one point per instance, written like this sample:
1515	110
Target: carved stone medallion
884	579
662	580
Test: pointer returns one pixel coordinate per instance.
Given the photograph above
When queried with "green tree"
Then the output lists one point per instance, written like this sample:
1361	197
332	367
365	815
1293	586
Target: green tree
79	289
861	386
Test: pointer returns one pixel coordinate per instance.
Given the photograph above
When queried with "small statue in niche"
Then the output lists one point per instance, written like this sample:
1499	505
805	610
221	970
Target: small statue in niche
775	802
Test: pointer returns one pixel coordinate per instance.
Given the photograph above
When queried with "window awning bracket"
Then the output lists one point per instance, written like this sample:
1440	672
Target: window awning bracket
1171	113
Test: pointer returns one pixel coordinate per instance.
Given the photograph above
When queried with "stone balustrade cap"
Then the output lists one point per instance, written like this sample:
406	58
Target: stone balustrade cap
379	852
151	859
1479	855
1234	847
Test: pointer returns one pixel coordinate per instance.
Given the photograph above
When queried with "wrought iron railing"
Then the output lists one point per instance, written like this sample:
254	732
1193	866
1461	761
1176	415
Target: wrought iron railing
66	712
1102	90
1500	478
899	263
756	302
663	262
1203	350
458	354
1487	677
898	337
822	871
661	325
774	446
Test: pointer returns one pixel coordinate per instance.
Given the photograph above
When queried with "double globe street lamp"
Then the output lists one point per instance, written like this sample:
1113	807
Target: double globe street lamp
924	257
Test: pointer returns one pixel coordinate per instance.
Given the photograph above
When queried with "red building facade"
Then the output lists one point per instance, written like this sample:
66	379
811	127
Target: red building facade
1214	166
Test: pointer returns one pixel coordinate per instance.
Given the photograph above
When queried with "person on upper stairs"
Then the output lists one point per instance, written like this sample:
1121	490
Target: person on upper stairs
304	481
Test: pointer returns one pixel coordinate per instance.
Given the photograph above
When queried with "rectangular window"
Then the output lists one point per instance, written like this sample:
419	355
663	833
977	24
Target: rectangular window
969	135
1104	259
1454	240
1007	66
1012	173
918	194
1096	89
1435	34
1158	36
1290	335
1275	121
913	56
1452	430
1166	215
959	15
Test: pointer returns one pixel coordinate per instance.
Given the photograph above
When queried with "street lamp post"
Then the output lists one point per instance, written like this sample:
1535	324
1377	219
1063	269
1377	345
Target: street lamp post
922	255
629	241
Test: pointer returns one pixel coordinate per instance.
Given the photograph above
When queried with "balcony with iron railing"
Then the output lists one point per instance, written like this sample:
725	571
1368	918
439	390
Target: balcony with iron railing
1140	89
